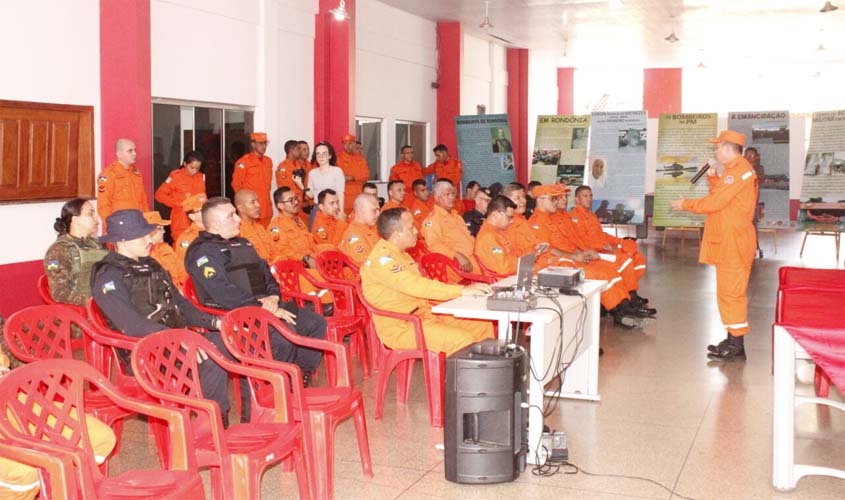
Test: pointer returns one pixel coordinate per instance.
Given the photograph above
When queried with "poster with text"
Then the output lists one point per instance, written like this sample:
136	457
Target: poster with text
823	186
560	149
682	148
484	147
767	132
616	166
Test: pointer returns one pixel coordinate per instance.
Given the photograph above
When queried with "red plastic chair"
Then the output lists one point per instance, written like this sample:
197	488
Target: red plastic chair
40	408
344	322
436	266
434	365
56	473
246	333
417	251
43	333
193	298
166	366
93	354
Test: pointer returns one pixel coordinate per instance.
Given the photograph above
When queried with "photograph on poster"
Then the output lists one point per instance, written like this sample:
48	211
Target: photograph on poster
571	175
546	157
825	163
632	139
598	171
501	140
507	162
674	168
619	214
770	133
579	138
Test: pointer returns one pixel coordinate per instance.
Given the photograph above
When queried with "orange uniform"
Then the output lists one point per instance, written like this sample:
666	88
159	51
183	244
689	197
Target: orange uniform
453	170
391	204
730	240
119	188
420	210
252	172
261	240
327	229
447	233
284	175
588	228
178	186
391	281
549	229
357	241
407	173
494	249
170	261
354	165
187	237
292	241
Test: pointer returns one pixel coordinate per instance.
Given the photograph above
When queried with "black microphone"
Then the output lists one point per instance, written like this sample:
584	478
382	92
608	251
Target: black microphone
700	173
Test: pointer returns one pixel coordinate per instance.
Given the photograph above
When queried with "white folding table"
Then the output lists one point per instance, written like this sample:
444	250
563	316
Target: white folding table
581	347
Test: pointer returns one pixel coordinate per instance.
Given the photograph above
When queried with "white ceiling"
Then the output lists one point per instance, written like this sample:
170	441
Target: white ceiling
598	34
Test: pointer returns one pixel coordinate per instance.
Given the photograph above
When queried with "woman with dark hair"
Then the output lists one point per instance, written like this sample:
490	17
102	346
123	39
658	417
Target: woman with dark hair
181	184
326	175
69	259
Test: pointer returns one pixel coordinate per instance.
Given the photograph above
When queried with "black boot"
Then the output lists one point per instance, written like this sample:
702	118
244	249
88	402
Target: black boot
642	303
628	307
734	350
721	345
625	319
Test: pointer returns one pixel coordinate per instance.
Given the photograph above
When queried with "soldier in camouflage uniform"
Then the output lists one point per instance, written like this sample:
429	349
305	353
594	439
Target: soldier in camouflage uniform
69	259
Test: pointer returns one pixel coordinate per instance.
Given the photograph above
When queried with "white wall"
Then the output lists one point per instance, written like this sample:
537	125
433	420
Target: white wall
484	76
542	92
59	65
394	68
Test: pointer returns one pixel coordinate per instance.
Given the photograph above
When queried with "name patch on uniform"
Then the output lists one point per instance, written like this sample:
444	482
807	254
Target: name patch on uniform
202	260
427	223
496	250
746	175
729	179
52	265
385	260
109	287
209	272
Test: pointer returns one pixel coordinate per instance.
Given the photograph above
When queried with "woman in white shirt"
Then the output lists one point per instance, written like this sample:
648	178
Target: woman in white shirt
326	175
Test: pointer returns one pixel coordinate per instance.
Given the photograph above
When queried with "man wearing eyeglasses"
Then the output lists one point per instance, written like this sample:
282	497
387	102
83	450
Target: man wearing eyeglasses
493	248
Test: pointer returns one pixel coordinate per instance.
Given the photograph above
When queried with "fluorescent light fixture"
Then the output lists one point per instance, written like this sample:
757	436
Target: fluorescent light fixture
340	13
828	7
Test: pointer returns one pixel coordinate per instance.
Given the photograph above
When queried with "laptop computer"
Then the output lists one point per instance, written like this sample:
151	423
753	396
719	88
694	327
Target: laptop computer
524	275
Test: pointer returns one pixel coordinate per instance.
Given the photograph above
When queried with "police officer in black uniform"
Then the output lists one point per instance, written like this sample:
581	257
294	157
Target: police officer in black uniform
228	273
137	297
475	218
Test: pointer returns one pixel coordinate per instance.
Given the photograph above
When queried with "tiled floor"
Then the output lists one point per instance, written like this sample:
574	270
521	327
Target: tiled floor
666	414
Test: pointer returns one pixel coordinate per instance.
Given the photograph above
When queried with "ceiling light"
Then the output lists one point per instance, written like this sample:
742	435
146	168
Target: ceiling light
672	38
828	7
485	23
340	13
564	18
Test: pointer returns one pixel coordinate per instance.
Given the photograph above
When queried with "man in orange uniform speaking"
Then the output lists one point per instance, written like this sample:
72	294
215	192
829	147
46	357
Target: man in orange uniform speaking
255	171
407	170
119	185
446	167
361	235
391	281
181	184
445	231
354	167
729	241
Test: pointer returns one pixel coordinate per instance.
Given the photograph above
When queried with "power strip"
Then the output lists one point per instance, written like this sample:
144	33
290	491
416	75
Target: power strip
555	442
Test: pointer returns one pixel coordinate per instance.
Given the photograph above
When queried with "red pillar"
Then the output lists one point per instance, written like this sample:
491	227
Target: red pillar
517	63
449	58
661	91
334	74
565	91
125	88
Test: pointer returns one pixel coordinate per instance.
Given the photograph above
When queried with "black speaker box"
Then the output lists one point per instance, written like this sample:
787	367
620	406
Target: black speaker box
486	428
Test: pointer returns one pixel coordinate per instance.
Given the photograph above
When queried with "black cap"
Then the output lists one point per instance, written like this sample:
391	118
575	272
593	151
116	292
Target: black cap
126	225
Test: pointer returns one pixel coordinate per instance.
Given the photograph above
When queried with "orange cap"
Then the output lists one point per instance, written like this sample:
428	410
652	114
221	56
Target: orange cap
194	203
258	137
154	217
730	136
347	138
553	190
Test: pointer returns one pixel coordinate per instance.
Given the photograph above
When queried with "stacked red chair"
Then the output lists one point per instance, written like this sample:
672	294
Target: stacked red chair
166	365
246	332
437	266
41	405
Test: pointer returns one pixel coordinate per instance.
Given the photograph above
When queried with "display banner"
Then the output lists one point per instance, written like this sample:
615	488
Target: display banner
616	166
683	147
560	149
823	183
768	133
484	147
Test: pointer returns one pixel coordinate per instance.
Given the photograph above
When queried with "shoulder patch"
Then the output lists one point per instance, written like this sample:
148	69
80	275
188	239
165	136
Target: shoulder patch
353	239
52	265
746	175
275	229
496	250
202	261
102	179
729	179
169	180
575	219
385	260
109	287
536	226
427	223
241	165
208	272
185	244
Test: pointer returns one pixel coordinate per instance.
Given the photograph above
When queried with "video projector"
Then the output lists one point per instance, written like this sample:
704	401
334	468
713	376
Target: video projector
560	277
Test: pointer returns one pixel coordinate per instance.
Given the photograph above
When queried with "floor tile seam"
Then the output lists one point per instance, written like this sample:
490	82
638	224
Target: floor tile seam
425	473
689	451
